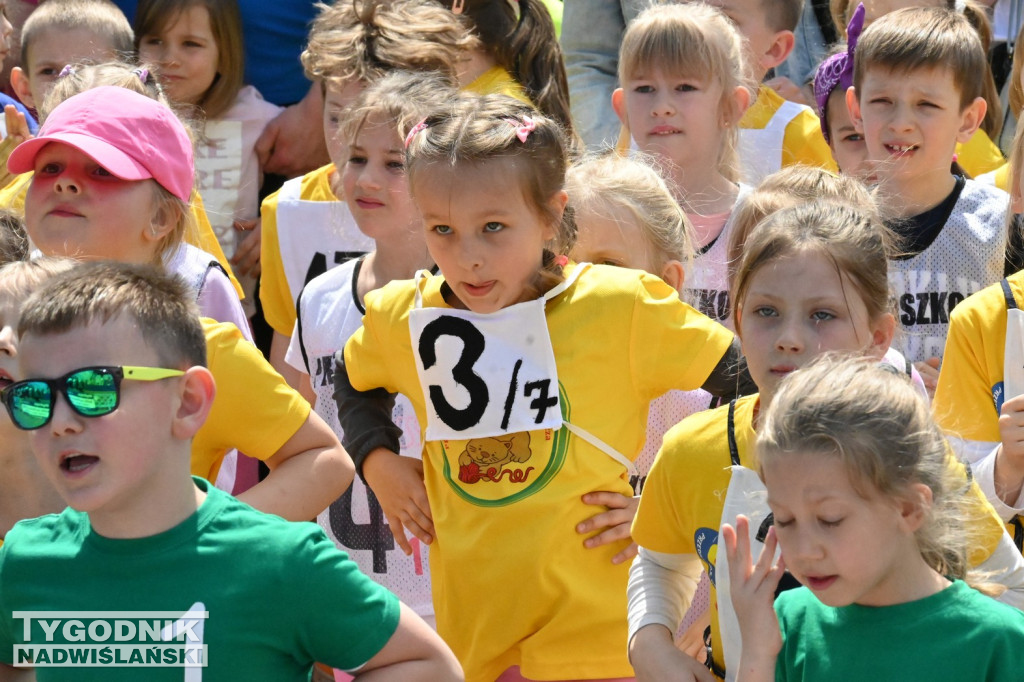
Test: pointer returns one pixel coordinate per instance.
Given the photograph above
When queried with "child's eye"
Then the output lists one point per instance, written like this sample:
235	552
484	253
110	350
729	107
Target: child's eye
102	172
192	43
644	89
822	316
782	523
853	137
686	87
357	160
49	169
47	71
150	40
879	100
829	523
765	311
493	227
396	165
442	229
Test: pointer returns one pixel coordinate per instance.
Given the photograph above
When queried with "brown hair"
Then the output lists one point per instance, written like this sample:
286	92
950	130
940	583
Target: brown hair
100	17
874	421
156	16
782	15
402	98
361	40
697	41
854	239
475	130
18	279
13	240
527	47
918	38
162	305
791	186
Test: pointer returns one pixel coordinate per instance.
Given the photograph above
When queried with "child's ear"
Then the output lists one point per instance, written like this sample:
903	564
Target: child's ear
163	222
20	84
914	505
971	118
853	104
740	102
882	332
197	390
674	275
619	105
556	205
778	51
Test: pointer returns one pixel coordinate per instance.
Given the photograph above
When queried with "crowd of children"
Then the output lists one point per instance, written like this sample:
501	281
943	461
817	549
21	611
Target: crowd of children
475	401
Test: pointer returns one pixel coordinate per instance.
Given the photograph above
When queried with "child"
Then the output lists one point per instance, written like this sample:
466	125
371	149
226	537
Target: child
978	399
487	174
197	45
519	55
812	279
108	348
24	491
77	206
871	522
915	96
773	132
684	90
307	229
67	32
330	310
832	79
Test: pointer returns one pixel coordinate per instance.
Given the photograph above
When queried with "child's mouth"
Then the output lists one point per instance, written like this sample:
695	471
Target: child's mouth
665	130
821	582
77	463
900	149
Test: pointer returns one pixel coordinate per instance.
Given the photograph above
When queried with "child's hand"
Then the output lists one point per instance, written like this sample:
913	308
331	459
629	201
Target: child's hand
656	659
17	126
1009	471
398	484
929	371
787	89
753	596
618	520
247	256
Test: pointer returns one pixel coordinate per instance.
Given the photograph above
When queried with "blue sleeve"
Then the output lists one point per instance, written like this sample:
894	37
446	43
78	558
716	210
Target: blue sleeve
33	125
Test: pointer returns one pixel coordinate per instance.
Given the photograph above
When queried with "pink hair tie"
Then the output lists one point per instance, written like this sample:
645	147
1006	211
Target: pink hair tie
524	129
422	125
68	70
561	260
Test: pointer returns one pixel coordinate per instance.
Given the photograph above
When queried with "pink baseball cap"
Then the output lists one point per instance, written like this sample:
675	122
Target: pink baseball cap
132	136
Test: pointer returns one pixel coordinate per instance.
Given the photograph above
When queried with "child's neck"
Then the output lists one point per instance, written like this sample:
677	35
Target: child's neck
475	65
150	512
704	191
905	197
910	579
398	259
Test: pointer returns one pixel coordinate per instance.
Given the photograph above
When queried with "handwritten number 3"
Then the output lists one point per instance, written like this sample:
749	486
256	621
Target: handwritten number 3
473	348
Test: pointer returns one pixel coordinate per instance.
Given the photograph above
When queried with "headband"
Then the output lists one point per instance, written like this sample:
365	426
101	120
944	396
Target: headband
837	70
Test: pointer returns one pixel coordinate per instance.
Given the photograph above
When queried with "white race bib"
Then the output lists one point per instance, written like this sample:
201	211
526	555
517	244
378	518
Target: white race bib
486	375
1013	355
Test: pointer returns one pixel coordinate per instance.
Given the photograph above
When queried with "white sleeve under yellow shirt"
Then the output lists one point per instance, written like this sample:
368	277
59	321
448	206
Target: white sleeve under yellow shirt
507	551
802	141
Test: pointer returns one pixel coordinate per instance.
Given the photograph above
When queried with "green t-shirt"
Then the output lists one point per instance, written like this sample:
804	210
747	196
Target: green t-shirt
956	635
277	596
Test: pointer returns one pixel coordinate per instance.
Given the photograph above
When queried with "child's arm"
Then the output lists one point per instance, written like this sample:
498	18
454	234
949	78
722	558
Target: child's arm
1009	464
373	440
617	519
753	595
660	588
414	652
11	674
307	473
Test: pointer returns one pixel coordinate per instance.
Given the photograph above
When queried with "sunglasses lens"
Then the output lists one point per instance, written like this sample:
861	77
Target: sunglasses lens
93	393
30	404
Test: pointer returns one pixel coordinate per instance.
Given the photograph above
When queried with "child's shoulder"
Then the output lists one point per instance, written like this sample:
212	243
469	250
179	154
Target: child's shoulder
609	281
49	535
335	281
708	431
313	186
250	105
987	201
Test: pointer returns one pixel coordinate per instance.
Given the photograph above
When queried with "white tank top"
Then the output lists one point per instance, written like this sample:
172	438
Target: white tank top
761	148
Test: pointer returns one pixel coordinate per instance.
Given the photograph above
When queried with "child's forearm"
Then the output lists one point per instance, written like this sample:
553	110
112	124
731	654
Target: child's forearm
307	474
365	417
756	667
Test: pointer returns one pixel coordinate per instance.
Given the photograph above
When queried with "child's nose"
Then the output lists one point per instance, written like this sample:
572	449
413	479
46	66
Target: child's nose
369	178
663	104
66	183
8	341
790	338
64	420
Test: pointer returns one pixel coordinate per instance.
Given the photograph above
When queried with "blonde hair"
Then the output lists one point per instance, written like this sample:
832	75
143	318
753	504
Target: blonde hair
692	40
872	418
474	130
1016	90
102	18
855	240
14	245
608	182
142	80
155	16
791	186
18	279
361	40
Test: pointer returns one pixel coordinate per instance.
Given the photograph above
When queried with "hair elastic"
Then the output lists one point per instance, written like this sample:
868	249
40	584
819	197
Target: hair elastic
524	127
68	70
143	74
561	260
422	125
458	6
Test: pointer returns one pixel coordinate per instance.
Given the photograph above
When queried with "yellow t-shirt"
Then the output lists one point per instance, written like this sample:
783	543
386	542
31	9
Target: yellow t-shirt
979	155
254	409
276	293
497	81
970	389
506	550
802	142
12	197
681	507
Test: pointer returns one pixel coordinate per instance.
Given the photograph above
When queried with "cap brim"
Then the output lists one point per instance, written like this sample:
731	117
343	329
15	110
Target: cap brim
115	161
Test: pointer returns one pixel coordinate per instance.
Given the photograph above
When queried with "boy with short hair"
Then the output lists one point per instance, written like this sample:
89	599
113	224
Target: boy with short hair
774	132
916	94
307	230
117	390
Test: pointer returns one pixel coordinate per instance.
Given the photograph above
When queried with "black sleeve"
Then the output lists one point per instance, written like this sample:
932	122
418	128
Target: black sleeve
365	417
730	378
